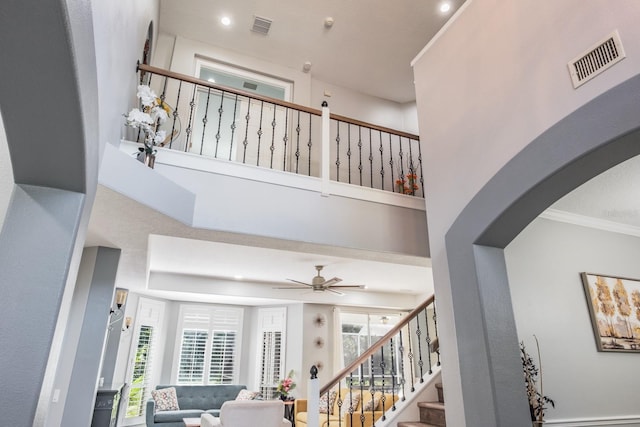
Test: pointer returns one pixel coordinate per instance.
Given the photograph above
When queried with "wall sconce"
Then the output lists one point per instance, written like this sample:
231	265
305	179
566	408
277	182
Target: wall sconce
118	314
127	323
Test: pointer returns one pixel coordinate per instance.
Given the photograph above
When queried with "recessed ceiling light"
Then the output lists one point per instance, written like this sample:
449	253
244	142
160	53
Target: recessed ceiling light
226	21
445	7
238	277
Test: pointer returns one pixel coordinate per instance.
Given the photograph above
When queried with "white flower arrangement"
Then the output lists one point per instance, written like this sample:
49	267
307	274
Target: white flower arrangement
154	112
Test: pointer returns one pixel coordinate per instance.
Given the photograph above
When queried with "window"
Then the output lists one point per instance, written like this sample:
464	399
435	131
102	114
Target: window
208	345
359	332
272	327
144	365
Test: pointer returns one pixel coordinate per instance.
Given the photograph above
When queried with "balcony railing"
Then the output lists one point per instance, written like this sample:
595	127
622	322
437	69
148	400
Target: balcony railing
237	126
387	374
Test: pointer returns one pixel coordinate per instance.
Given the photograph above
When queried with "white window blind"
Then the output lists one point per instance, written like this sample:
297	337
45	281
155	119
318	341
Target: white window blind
209	345
272	322
139	389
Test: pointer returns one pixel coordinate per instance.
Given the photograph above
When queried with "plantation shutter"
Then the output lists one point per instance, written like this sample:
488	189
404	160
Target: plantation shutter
225	328
145	361
139	390
272	324
209	345
195	334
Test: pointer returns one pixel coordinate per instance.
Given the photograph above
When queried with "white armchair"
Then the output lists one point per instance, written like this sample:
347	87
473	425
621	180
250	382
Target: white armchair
245	413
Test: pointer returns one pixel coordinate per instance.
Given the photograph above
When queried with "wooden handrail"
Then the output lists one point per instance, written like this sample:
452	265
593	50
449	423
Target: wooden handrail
382	341
314	111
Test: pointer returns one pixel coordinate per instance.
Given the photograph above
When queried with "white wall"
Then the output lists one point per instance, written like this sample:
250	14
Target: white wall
178	54
485	88
543	264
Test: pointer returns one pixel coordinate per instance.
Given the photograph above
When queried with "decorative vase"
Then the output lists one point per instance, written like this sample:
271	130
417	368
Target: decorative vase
150	159
283	397
539	423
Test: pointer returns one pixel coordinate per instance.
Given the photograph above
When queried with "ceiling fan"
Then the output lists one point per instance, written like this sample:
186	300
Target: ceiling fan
319	284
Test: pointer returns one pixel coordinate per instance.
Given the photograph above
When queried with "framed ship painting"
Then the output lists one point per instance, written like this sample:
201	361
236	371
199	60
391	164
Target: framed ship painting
614	306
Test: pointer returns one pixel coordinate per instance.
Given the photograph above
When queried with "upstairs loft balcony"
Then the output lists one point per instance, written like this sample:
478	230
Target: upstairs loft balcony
304	170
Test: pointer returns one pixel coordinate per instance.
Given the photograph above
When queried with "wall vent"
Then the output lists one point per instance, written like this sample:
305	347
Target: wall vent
261	25
597	59
248	85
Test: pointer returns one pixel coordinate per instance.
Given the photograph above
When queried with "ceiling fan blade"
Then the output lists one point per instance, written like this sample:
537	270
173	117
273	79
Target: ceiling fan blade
299	282
291	287
331	281
349	286
334	291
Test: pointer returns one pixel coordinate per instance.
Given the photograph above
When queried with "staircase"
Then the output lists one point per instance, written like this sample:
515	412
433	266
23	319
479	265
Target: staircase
431	413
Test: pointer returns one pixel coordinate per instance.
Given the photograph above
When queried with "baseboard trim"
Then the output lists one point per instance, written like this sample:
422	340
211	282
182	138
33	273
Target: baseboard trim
595	422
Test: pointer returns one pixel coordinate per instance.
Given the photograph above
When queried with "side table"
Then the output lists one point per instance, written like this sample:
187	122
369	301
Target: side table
289	412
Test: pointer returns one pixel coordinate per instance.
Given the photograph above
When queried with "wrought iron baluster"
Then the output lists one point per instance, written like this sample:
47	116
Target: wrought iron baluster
272	148
349	150
372	387
245	143
360	153
204	120
383	396
260	132
285	139
381	149
362	394
220	111
402	374
371	155
338	150
298	143
340	402
309	145
351	408
233	126
435	327
175	114
420	165
192	104
391	162
419	334
411	357
428	339
392	371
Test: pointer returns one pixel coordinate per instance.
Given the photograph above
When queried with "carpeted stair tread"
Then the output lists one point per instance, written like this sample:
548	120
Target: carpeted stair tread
432	405
414	424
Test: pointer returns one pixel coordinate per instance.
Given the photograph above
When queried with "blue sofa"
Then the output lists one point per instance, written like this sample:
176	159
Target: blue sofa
193	400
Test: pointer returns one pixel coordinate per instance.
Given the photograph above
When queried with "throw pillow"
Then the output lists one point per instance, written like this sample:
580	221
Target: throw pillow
349	404
372	405
247	395
166	399
326	402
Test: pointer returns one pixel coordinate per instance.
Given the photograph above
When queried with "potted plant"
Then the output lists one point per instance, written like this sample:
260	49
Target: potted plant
148	118
535	395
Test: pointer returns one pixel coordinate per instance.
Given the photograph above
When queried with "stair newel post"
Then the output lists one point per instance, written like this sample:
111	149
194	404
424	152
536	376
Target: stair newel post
428	339
313	404
325	171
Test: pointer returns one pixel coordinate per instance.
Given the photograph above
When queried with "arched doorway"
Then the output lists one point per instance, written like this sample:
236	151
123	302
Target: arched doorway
599	135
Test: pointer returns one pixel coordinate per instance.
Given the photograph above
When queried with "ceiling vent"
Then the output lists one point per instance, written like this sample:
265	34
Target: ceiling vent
597	59
261	25
248	85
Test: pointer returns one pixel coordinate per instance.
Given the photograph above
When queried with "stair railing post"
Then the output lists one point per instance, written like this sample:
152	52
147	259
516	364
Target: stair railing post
313	399
326	148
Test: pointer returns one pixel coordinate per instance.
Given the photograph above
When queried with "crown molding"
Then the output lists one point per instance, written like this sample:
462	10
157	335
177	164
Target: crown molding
591	222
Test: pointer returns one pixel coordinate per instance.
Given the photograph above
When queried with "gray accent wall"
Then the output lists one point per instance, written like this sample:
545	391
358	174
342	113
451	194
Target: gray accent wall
543	265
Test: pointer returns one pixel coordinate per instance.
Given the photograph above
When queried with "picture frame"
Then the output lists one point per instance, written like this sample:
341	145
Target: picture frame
614	308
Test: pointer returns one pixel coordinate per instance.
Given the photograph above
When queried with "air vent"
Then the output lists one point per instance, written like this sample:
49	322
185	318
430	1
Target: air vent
248	85
597	59
261	25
